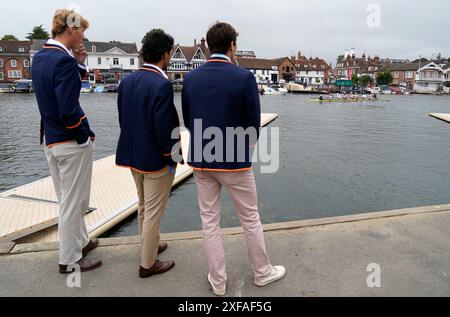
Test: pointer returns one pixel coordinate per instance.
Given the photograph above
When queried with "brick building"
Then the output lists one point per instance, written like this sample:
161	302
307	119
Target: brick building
286	68
404	74
14	61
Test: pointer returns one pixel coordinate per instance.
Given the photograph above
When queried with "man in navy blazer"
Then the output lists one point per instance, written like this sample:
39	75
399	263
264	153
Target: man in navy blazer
57	71
149	143
217	98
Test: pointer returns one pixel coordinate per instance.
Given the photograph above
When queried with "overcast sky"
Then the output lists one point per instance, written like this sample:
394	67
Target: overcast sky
273	28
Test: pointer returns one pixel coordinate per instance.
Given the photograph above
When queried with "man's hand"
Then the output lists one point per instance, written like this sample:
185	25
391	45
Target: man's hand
80	54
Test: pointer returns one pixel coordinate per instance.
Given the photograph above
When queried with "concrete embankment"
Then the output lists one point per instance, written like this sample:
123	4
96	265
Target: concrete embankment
324	257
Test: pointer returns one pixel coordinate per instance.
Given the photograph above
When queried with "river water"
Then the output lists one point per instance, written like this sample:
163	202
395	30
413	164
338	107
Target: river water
335	159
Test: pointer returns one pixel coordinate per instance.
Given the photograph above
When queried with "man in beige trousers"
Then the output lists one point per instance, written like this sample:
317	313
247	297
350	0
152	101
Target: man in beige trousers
147	118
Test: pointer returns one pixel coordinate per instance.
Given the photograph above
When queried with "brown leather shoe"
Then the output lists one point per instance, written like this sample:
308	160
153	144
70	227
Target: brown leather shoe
162	247
85	264
158	268
93	243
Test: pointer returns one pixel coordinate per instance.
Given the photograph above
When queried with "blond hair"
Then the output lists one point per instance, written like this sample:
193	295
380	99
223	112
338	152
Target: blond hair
67	18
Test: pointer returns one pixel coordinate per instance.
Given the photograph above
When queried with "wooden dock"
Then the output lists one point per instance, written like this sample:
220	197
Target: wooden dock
29	213
441	116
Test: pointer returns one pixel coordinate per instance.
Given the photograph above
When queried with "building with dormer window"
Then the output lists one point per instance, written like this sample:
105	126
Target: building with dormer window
186	58
312	71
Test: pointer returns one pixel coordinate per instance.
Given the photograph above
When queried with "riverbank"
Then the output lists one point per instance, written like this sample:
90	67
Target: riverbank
324	257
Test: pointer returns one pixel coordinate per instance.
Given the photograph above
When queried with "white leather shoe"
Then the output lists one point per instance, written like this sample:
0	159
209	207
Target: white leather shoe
217	291
277	274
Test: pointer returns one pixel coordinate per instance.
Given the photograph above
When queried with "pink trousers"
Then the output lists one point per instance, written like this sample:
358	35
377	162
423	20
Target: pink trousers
242	190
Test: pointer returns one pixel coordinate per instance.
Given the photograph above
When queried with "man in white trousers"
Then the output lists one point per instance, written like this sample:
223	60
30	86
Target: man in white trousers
68	141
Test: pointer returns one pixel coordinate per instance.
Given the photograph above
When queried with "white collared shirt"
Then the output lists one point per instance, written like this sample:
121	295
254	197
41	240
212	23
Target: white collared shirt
58	43
158	69
221	56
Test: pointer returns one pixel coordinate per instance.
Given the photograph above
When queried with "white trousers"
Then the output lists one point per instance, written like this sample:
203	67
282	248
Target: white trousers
71	169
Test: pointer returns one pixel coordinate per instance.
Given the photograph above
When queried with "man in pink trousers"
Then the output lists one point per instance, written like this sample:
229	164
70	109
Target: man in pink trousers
220	97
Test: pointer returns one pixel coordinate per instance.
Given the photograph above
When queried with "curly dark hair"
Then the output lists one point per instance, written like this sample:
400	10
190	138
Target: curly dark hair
155	44
220	36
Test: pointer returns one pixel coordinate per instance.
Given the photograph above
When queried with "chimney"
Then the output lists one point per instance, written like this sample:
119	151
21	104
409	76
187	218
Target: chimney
195	42
203	42
346	53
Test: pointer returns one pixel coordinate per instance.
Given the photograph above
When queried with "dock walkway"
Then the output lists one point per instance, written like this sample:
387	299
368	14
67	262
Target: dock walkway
441	116
30	212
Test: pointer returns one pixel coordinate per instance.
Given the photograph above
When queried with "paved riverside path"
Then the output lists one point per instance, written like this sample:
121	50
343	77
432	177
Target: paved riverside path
324	257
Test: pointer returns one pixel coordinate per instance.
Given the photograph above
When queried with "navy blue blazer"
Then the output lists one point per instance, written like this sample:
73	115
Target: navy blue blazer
147	118
222	95
57	83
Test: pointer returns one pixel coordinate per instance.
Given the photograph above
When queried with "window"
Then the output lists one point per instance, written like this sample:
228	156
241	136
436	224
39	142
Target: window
26	63
1	63
1	49
409	74
306	66
178	55
94	49
395	74
132	61
15	74
198	56
115	61
13	63
1	75
21	49
99	60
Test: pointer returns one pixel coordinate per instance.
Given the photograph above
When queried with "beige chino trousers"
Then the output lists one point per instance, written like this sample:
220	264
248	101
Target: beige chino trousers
153	191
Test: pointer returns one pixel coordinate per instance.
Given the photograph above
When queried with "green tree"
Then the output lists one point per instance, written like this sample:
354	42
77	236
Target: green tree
422	60
9	37
355	80
365	80
38	33
384	78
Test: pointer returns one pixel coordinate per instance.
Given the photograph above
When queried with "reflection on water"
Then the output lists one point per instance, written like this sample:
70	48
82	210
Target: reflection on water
335	159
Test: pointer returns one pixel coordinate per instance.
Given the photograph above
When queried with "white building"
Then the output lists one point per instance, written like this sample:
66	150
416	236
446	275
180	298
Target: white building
312	71
265	70
245	53
446	69
429	79
111	60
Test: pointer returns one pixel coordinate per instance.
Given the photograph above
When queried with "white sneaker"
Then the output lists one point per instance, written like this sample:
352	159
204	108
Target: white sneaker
277	274
217	291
